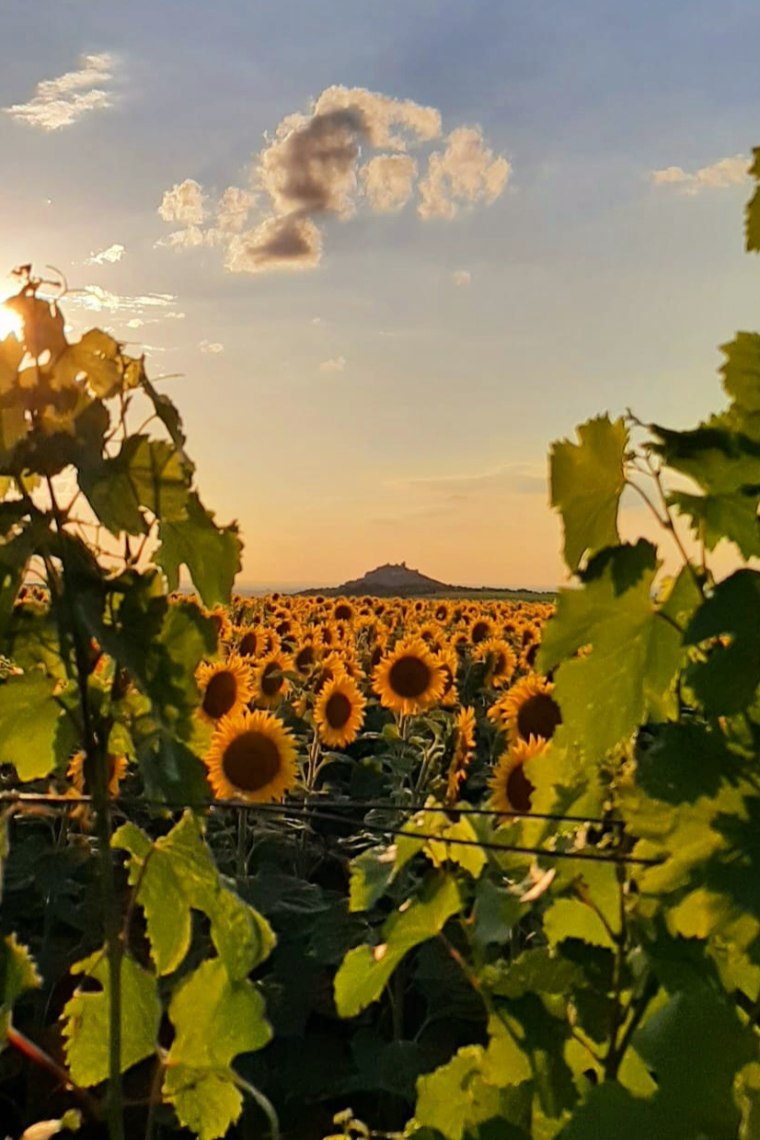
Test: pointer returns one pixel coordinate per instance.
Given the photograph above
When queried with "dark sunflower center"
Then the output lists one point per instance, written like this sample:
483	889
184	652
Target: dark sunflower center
531	654
220	695
248	643
271	679
409	677
251	761
305	658
499	663
343	612
519	789
480	632
539	716
338	710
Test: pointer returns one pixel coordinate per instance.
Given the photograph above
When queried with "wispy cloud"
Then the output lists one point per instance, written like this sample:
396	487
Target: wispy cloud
310	169
98	300
112	254
60	102
211	346
717	176
516	478
461	277
337	364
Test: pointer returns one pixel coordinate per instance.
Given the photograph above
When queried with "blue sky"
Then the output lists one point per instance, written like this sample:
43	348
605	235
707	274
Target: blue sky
395	397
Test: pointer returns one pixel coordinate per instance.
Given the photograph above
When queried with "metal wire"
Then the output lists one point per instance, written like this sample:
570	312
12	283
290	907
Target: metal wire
316	809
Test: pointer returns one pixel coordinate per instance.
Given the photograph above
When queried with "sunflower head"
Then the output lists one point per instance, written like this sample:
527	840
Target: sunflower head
510	788
339	712
528	709
252	757
225	687
464	746
80	772
271	684
500	661
410	679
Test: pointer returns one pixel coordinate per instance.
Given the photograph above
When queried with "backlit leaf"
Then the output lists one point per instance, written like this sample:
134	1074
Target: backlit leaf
29	722
211	553
587	480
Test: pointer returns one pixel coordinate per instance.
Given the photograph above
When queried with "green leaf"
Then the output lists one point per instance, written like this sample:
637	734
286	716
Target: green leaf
180	866
206	1102
694	1045
18	973
635	654
147	474
29	723
587	480
741	374
371	873
215	1019
727	681
455	1098
364	972
211	553
684	762
752	217
570	918
86	1019
610	1110
94	356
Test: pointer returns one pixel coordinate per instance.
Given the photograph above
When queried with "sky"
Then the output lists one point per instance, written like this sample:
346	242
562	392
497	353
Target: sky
386	251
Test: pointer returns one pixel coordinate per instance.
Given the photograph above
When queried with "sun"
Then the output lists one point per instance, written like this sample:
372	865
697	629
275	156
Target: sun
10	322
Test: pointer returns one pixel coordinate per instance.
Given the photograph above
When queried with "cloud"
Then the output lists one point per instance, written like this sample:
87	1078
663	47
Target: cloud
99	300
337	364
718	176
388	181
211	346
184	203
461	277
310	169
60	102
290	242
112	254
514	478
465	171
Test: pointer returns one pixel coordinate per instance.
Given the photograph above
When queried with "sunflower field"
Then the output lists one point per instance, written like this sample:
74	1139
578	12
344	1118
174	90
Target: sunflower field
357	867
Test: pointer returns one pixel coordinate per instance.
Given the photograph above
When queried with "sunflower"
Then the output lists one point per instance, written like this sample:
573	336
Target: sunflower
500	660
252	757
481	629
271	684
342	610
80	773
464	746
528	709
449	663
410	679
339	712
225	687
305	658
511	790
253	642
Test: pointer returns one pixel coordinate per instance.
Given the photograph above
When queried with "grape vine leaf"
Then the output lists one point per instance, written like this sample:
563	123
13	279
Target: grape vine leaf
605	695
571	918
728	680
180	866
752	215
211	553
146	474
610	1110
741	381
95	356
587	480
215	1019
29	724
365	970
86	1019
455	1098
18	973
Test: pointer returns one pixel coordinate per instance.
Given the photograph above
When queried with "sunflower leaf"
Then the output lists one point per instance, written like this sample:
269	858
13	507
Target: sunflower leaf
587	480
365	970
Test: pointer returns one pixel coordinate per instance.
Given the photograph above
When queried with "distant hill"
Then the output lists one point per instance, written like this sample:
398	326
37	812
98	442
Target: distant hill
397	580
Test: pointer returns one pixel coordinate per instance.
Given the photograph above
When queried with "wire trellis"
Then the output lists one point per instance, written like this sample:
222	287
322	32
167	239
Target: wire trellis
334	811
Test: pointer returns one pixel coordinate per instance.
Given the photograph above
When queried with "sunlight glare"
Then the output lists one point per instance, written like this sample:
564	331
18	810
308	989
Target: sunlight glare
10	322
